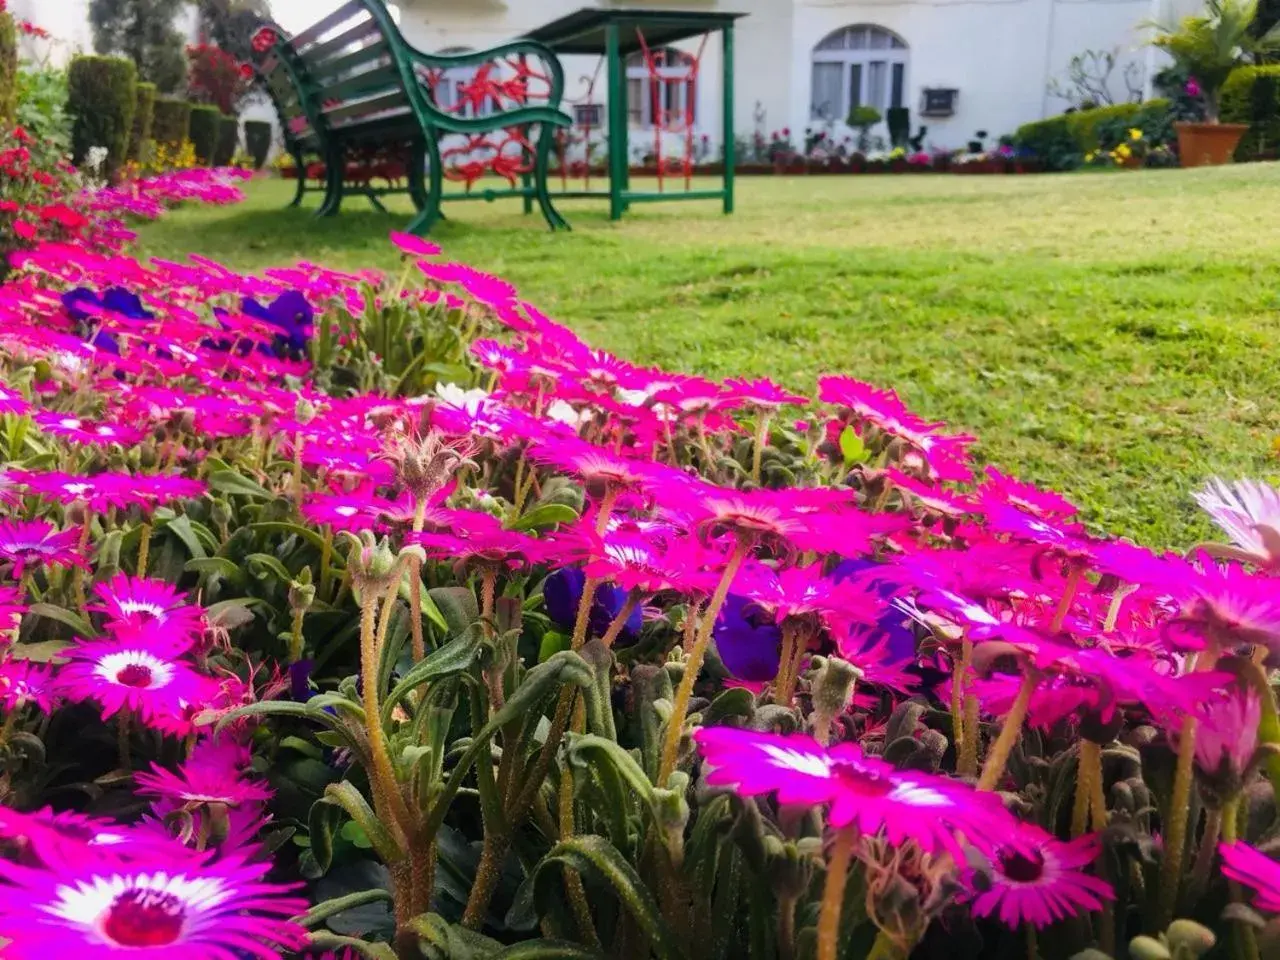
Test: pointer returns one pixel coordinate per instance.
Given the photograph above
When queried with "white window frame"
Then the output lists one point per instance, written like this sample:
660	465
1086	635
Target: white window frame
848	57
638	70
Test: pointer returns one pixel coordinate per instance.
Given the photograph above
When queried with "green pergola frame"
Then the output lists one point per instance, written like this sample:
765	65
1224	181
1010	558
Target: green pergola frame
612	35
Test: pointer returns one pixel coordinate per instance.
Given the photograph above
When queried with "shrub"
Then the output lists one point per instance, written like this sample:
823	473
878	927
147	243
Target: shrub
1062	141
143	115
1250	96
102	96
170	121
214	76
42	106
203	132
1083	124
228	140
1050	140
257	141
8	69
898	119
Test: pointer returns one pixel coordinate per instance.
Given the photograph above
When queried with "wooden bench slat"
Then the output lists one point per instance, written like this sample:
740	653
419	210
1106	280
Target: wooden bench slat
363	108
315	56
363	84
325	24
350	61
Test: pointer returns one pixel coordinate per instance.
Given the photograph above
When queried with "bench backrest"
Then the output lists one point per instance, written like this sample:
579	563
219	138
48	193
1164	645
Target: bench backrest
354	67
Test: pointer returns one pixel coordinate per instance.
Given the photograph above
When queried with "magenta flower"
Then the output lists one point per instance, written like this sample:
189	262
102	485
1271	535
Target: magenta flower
87	432
133	603
1228	736
214	773
415	246
482	545
12	609
1248	511
1192	87
166	909
862	791
141	673
1026	497
38	543
1039	880
67	838
762	394
1254	869
23	682
11	401
931	497
356	511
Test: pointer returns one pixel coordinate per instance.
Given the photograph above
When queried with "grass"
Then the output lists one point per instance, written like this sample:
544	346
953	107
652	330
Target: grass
1109	335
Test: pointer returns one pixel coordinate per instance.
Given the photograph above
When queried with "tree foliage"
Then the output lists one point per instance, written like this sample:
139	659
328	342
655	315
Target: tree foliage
144	32
231	23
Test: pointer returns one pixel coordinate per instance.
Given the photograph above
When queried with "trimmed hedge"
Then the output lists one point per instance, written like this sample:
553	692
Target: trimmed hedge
257	141
102	95
228	141
1063	140
8	70
1252	95
898	120
203	131
170	121
143	115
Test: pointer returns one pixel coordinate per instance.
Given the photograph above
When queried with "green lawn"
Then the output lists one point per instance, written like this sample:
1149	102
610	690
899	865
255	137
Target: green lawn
1107	334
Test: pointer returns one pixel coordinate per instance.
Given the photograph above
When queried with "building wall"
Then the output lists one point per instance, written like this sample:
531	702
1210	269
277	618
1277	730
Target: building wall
66	20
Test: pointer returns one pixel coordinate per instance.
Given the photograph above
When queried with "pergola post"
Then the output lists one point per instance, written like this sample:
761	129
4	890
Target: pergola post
730	159
617	120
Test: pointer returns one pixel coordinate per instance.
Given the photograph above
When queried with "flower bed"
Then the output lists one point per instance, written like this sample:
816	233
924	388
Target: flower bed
385	615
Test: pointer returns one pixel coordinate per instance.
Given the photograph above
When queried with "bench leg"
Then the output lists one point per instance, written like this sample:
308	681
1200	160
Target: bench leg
417	171
299	165
334	176
375	202
546	138
429	212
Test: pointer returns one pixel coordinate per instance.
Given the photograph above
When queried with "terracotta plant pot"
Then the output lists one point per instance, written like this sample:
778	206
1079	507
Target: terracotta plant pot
1208	144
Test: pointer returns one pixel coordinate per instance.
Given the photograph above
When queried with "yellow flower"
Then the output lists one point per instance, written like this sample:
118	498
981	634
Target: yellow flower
1123	151
1135	133
1088	157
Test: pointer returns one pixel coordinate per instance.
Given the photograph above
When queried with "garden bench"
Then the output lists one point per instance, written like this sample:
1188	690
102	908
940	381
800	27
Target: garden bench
351	83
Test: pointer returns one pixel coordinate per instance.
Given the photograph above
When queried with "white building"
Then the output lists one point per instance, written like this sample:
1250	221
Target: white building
959	66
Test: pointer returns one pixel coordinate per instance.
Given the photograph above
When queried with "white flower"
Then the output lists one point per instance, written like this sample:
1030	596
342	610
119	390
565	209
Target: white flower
563	412
472	401
1248	512
95	158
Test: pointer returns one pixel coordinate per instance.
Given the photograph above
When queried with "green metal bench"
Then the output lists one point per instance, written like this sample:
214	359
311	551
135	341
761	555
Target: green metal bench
352	83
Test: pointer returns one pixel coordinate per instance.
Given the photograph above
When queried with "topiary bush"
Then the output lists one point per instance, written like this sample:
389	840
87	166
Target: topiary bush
143	116
102	95
1050	141
1061	142
228	140
257	141
1083	124
203	132
8	69
170	120
1252	95
898	120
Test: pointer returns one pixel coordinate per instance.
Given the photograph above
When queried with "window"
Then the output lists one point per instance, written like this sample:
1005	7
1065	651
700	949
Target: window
587	114
856	66
669	90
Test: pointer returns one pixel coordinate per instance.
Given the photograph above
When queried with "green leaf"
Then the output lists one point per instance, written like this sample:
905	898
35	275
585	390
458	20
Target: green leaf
312	537
285	708
232	482
330	908
454	657
42	652
77	623
350	799
458	607
590	750
232	613
181	528
322	823
323	940
851	446
545	516
214	567
547	950
260	565
454	941
597	857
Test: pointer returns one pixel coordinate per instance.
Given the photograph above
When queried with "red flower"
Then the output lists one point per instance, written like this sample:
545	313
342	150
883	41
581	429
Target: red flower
24	230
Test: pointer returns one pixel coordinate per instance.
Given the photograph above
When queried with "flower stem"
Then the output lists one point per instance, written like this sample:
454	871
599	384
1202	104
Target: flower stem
144	550
326	556
620	621
1244	942
1033	944
757	450
1175	831
1198	882
1088	770
968	765
833	893
959	678
693	664
786	928
1068	594
122	739
382	778
993	770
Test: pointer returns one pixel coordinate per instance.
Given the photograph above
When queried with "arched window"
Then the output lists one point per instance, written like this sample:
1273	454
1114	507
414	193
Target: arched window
856	66
673	90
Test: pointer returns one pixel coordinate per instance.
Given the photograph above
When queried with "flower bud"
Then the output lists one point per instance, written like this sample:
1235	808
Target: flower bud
1187	938
832	689
220	512
302	593
304	411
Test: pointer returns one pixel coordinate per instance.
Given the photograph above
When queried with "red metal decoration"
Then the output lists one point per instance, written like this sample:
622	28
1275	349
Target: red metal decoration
582	128
489	153
672	121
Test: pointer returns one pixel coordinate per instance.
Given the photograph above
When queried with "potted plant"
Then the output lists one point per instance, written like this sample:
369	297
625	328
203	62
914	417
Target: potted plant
862	118
1208	46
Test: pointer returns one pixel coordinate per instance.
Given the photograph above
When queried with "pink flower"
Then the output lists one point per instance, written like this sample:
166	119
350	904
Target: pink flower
1024	496
36	542
66	838
23	682
1192	87
415	246
85	431
1039	880
170	908
1228	735
1254	869
11	401
141	673
1248	511
132	603
214	773
862	791
763	394
12	608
